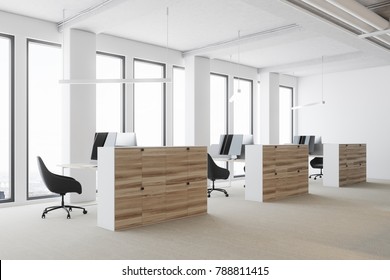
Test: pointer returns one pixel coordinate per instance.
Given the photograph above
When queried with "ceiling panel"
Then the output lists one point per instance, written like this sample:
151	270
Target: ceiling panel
194	25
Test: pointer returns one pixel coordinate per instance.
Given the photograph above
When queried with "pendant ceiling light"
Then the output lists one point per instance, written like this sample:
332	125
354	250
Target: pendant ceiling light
322	91
234	96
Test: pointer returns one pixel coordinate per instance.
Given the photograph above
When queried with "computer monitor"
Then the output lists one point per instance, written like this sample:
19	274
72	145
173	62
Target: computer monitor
230	144
247	139
126	139
99	140
306	140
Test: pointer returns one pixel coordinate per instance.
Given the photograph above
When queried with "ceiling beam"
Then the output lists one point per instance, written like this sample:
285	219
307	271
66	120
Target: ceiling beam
87	13
242	39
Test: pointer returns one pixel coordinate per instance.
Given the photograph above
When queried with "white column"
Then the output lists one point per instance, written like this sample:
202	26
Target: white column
269	108
79	108
197	100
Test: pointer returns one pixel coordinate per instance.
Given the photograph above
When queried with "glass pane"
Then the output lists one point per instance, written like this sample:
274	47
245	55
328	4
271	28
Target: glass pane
108	96
242	114
285	115
5	91
179	126
218	104
44	113
148	104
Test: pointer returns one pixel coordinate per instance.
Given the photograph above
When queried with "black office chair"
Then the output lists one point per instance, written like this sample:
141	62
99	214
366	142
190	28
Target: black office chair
215	172
318	163
60	185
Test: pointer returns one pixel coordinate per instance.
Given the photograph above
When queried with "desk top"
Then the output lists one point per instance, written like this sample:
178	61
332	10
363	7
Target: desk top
79	165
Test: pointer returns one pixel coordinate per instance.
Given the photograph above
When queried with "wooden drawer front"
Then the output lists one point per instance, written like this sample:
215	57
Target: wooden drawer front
128	183
128	170
197	164
153	208
352	164
153	171
197	198
176	204
176	168
128	211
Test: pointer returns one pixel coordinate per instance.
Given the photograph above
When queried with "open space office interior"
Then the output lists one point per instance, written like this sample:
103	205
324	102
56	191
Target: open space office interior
126	99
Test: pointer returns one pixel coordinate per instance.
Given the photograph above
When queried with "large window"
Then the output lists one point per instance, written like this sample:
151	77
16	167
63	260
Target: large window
242	114
179	117
218	107
109	97
285	115
6	119
149	104
44	112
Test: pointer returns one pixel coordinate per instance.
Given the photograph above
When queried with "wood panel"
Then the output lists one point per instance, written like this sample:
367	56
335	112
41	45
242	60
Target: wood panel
285	171
158	184
352	164
128	183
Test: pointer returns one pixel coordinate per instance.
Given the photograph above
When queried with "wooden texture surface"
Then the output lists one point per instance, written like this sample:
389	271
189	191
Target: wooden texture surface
153	185
285	171
352	164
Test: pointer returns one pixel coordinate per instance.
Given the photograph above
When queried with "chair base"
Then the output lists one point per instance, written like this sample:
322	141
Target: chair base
318	175
209	190
67	208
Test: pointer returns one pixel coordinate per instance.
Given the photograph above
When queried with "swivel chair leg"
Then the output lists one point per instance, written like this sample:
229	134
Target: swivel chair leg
67	208
216	189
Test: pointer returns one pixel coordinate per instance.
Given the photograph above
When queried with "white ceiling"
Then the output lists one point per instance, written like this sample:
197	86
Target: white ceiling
195	24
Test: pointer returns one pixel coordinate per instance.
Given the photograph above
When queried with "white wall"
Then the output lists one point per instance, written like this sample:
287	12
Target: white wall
356	111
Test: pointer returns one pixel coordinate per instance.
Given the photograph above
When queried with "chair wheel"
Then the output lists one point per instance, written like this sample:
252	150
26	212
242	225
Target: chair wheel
227	195
85	212
43	216
70	209
208	195
68	216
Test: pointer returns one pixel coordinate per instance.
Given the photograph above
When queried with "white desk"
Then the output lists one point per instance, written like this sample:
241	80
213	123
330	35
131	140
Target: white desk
91	166
88	186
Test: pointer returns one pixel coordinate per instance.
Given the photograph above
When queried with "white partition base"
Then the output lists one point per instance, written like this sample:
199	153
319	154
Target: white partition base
106	187
254	172
331	165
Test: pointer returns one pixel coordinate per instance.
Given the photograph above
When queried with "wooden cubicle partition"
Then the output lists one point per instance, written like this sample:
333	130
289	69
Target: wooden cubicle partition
147	185
344	164
274	172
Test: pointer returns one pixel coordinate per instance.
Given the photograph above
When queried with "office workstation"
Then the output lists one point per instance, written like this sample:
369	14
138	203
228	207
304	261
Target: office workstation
76	88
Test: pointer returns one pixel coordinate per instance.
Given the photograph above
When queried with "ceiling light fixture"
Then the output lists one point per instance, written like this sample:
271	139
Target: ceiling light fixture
124	81
322	102
234	96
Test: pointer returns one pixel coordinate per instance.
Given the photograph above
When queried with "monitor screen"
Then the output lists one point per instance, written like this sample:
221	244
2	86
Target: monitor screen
247	139
305	140
126	139
99	140
230	144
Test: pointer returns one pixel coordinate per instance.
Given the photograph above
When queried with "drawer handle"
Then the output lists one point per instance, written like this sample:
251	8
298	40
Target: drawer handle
188	183
142	188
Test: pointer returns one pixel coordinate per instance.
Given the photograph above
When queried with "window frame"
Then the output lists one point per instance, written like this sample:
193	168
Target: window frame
226	99
251	99
164	97
123	87
292	113
11	157
29	40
